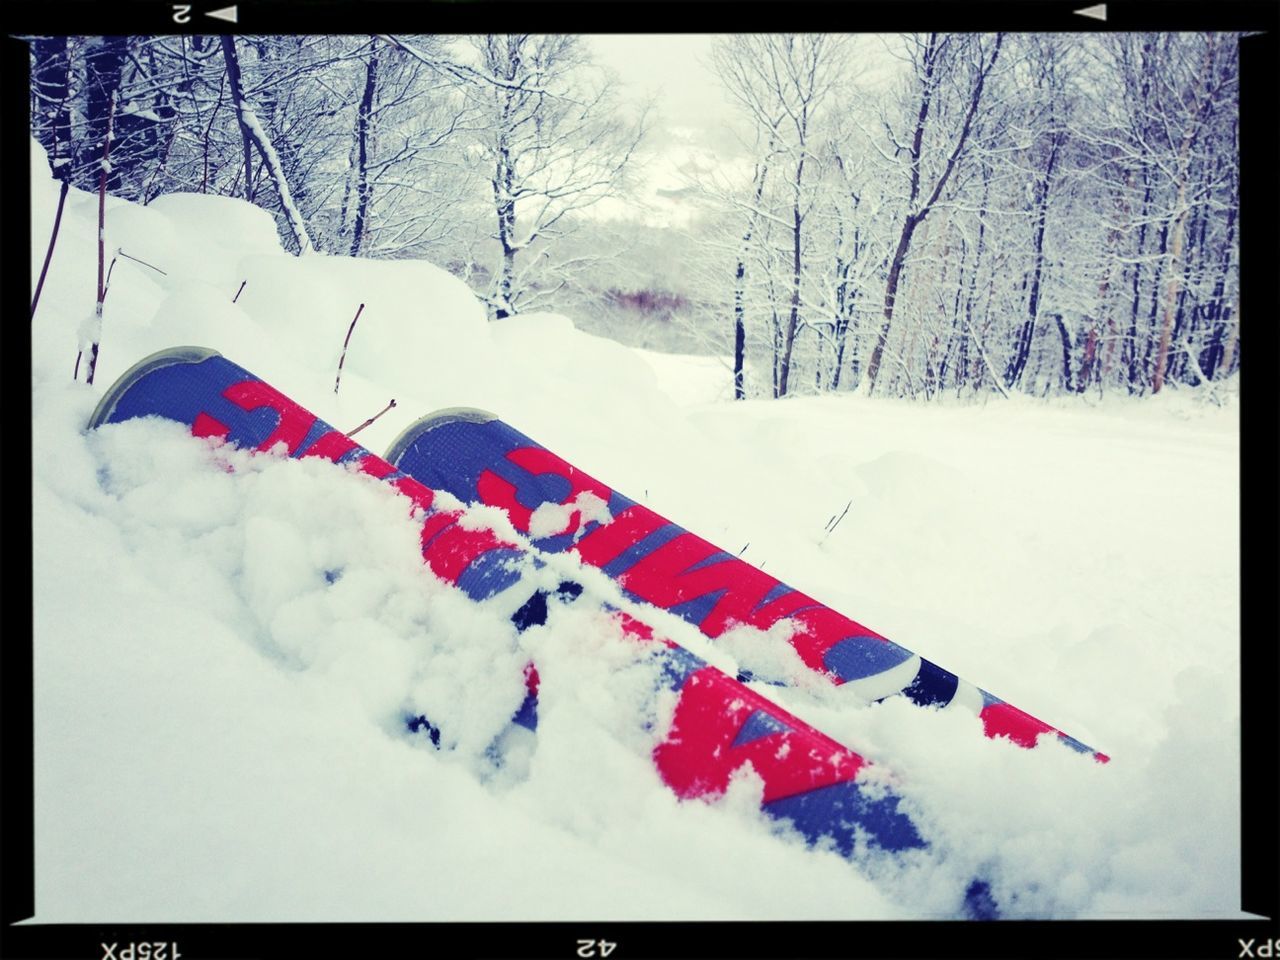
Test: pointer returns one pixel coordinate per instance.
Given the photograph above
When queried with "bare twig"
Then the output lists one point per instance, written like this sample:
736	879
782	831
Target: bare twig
345	343
240	291
53	238
107	285
835	522
143	262
389	406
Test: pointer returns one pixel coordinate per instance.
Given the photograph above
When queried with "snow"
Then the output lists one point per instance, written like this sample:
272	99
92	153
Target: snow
225	645
550	519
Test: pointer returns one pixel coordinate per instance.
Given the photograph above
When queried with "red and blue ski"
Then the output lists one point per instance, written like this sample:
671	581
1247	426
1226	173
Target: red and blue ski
479	459
810	780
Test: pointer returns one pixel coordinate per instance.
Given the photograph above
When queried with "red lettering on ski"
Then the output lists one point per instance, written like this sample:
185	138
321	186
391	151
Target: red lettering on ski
495	491
820	628
1005	720
421	495
637	629
452	550
207	426
294	420
334	445
607	541
664	579
698	756
375	467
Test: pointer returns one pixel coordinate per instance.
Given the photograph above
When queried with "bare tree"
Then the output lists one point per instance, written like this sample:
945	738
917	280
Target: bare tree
758	180
555	141
936	59
51	101
1046	137
406	174
780	81
1205	88
252	132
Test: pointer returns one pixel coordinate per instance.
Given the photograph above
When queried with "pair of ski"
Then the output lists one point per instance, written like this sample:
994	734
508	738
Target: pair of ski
822	788
479	459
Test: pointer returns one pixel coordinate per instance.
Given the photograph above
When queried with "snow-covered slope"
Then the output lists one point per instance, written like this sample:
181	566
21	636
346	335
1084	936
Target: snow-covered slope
222	657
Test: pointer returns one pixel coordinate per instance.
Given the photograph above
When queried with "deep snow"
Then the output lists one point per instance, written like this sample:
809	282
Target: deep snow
223	656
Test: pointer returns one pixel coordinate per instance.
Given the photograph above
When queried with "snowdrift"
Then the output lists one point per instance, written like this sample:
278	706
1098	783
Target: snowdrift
222	658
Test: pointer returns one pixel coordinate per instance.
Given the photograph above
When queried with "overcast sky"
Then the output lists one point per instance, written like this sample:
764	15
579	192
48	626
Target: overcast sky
693	123
675	70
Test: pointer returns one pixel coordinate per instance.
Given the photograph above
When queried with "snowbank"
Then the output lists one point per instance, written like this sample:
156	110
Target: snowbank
222	657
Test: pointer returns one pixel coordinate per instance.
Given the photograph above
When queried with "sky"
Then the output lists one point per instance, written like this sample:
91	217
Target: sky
675	69
695	127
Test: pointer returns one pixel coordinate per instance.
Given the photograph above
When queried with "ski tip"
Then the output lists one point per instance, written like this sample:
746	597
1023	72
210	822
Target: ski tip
162	358
430	422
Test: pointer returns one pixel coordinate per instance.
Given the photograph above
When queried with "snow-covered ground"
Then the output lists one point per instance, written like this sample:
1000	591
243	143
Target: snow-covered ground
218	728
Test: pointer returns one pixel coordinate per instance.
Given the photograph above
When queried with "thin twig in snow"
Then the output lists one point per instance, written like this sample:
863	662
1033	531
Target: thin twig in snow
835	522
343	359
143	262
389	406
107	287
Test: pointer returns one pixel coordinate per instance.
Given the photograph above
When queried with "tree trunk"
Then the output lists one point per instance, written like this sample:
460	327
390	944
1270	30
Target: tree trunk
739	334
364	189
739	283
1018	362
1089	353
1203	100
1228	362
503	198
1175	276
1129	356
1088	358
1187	321
255	137
1157	281
844	316
954	336
506	238
777	353
890	297
1066	352
237	101
964	362
1217	310
793	316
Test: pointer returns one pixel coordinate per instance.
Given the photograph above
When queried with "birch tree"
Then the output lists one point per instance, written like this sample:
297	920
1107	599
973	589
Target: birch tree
555	141
781	83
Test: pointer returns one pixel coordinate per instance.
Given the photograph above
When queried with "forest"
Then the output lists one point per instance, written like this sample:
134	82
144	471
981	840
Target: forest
925	216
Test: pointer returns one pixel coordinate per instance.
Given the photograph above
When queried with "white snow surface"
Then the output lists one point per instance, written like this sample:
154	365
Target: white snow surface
225	643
